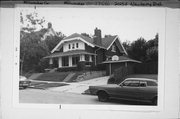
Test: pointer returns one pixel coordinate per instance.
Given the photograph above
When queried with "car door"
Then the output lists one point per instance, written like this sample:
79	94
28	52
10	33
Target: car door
128	90
148	91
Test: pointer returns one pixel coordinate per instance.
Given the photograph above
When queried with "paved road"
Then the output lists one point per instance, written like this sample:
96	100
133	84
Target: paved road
53	97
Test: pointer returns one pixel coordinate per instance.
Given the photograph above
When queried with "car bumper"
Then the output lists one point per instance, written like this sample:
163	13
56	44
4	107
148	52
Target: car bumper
24	83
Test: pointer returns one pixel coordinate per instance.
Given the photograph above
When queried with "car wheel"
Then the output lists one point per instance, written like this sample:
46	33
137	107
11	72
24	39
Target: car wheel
154	101
103	96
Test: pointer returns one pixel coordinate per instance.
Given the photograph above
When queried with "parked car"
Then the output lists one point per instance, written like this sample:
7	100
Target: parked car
24	82
136	89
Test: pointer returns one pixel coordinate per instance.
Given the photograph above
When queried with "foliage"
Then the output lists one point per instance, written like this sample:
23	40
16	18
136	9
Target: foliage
142	50
32	47
31	22
138	49
120	74
52	41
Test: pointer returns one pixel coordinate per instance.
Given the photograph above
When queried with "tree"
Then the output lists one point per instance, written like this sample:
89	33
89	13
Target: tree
152	51
33	45
31	22
126	45
142	50
32	49
137	50
52	41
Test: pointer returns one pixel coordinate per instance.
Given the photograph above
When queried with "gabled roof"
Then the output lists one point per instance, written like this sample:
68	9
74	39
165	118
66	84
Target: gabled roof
88	39
106	42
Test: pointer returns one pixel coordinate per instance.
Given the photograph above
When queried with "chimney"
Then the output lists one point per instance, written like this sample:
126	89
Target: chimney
49	25
97	36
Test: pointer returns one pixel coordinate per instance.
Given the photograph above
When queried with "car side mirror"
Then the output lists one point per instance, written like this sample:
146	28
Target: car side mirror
121	85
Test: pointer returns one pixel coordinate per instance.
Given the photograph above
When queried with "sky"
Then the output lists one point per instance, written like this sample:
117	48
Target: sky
128	23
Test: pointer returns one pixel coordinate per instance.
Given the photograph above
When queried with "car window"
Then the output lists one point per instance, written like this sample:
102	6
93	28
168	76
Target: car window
143	84
126	83
131	83
151	83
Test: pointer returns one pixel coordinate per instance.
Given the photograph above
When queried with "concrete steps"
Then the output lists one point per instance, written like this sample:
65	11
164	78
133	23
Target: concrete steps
35	75
68	77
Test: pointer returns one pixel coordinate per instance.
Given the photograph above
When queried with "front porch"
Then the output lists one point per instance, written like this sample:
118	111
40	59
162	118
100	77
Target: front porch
75	60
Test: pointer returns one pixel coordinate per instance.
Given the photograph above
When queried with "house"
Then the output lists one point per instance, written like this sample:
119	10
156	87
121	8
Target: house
79	52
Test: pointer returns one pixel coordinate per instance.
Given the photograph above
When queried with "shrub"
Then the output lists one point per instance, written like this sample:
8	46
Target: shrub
111	80
121	73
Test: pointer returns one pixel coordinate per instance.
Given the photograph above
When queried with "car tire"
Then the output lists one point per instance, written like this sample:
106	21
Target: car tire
154	101
103	96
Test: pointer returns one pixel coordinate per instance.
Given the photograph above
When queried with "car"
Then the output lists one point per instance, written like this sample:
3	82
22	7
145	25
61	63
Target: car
24	82
135	89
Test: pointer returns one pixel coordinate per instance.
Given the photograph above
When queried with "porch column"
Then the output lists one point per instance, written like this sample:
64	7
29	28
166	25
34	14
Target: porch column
125	64
60	61
50	61
70	61
90	58
82	57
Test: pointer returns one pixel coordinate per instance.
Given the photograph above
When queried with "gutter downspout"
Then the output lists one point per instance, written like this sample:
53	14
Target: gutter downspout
96	55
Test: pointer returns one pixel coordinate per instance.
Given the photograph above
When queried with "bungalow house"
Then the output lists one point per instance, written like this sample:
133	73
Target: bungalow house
79	51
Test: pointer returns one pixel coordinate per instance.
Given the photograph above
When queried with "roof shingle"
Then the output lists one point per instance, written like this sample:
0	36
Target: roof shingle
105	41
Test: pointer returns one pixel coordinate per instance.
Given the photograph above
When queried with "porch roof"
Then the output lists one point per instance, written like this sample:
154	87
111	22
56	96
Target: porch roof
121	59
69	53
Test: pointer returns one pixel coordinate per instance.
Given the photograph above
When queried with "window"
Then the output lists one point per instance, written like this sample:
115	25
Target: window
77	45
131	83
143	84
65	61
151	83
69	46
75	60
73	46
113	48
86	57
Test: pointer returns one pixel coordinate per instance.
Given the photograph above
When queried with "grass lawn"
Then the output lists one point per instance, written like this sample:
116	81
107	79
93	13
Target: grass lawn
55	76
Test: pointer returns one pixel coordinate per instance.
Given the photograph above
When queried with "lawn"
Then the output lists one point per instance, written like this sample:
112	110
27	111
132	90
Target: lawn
55	76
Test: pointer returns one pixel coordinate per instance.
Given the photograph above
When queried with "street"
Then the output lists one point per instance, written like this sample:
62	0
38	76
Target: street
54	97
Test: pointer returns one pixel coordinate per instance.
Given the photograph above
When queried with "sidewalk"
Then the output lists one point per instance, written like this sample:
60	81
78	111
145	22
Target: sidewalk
80	87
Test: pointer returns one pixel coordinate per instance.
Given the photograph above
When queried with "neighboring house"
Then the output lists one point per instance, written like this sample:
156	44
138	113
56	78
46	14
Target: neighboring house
49	32
81	52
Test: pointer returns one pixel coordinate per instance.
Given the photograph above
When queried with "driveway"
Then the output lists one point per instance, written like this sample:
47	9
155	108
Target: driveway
80	87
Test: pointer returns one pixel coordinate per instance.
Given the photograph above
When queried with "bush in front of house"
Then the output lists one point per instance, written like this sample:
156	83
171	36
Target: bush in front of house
111	80
120	74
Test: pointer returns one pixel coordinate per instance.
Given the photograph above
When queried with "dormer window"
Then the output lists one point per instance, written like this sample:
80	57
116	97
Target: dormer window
77	45
69	46
113	48
73	46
